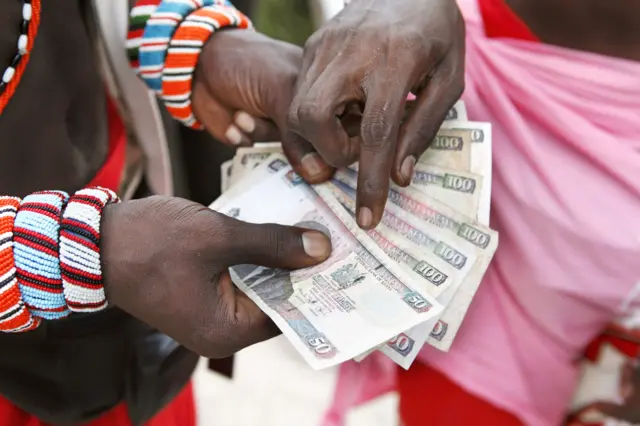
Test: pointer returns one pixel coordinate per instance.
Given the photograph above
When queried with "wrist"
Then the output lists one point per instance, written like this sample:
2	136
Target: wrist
114	225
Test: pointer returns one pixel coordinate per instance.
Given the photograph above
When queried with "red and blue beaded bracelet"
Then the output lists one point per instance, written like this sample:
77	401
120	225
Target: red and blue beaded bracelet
164	42
50	256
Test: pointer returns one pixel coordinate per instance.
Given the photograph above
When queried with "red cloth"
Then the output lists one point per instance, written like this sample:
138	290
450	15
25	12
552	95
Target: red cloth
423	389
429	398
180	412
500	21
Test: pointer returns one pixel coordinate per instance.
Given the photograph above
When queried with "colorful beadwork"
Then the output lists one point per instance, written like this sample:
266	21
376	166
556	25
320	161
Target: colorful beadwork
183	53
158	32
35	235
80	249
138	18
14	315
12	75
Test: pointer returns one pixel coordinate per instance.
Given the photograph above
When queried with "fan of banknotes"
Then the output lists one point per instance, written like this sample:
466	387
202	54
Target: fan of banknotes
392	289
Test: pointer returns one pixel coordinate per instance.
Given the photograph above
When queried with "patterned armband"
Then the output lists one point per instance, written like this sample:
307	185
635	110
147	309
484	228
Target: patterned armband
14	315
80	249
184	51
36	232
164	42
50	256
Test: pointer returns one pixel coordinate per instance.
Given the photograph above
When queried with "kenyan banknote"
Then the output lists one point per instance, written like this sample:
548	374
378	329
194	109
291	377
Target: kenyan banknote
417	246
466	231
477	139
248	158
406	230
339	309
456	188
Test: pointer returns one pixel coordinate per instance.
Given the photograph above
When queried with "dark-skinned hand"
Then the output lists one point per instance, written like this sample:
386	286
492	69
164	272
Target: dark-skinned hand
368	59
165	261
243	86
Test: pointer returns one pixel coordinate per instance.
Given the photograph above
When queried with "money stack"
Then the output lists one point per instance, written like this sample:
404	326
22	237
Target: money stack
392	289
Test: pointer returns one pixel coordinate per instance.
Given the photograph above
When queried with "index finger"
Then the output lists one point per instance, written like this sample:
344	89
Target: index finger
379	131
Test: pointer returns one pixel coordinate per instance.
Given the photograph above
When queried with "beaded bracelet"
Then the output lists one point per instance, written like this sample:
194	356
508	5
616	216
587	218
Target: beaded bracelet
138	18
14	315
35	232
80	249
157	33
184	51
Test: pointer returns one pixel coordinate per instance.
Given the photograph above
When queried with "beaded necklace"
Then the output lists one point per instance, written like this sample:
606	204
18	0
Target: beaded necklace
28	30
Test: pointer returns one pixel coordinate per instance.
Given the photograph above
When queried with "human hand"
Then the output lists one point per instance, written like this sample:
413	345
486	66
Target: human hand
368	58
243	86
165	262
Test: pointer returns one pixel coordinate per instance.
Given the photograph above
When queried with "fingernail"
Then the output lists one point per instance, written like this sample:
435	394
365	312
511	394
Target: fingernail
233	135
316	244
245	121
312	164
406	170
365	218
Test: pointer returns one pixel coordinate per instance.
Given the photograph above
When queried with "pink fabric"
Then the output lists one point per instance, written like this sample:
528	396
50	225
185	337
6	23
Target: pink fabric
566	201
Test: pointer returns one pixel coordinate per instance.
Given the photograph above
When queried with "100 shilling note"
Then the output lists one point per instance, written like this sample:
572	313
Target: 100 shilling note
484	239
435	264
457	225
458	252
460	145
248	158
459	255
425	276
336	310
458	189
481	139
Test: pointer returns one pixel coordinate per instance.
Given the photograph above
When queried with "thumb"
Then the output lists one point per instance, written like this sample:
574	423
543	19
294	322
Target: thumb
275	246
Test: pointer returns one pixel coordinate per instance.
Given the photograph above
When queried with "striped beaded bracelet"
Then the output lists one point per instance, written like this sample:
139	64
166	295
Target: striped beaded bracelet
183	53
14	315
140	14
35	232
157	33
138	18
164	42
80	249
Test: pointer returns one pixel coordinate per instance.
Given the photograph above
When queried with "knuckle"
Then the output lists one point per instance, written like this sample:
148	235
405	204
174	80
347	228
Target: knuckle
377	129
310	112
